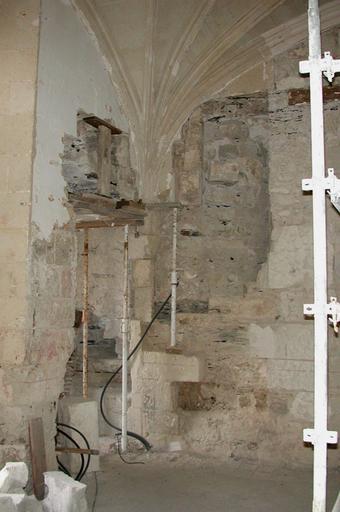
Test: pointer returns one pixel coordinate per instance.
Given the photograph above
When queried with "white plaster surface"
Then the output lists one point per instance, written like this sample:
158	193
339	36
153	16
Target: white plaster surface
64	494
13	477
71	76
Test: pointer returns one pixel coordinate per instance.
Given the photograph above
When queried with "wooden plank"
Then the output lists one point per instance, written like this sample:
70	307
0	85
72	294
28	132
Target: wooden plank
98	199
84	451
96	122
113	223
299	96
109	209
38	456
104	160
95	199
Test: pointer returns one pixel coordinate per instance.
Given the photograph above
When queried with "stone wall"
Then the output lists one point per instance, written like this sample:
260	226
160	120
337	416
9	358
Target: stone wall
38	249
19	32
245	265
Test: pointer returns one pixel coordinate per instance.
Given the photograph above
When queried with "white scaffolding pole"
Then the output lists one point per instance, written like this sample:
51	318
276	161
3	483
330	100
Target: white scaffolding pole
319	436
174	280
125	340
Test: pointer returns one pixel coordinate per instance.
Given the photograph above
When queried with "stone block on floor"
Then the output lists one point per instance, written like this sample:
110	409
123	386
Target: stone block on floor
83	415
13	477
64	493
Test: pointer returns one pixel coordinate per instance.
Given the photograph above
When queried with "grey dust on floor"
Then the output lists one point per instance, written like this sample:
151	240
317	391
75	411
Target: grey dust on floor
183	483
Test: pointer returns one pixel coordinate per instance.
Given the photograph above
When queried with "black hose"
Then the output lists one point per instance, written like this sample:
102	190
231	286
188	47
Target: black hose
80	472
119	435
146	444
64	425
62	467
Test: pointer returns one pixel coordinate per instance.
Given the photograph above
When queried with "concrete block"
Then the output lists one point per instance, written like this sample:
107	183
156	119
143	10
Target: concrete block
13	477
64	494
83	415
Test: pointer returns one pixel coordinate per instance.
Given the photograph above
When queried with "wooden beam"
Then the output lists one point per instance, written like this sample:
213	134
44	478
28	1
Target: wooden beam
104	160
298	96
96	122
84	451
114	223
38	456
95	210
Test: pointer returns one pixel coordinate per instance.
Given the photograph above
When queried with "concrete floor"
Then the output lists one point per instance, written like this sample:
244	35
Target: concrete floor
183	483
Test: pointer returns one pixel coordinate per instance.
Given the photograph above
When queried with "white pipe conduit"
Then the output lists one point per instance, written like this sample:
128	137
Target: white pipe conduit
174	280
319	436
125	340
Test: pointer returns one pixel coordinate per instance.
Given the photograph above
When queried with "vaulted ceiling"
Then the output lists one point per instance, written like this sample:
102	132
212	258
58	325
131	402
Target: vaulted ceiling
167	56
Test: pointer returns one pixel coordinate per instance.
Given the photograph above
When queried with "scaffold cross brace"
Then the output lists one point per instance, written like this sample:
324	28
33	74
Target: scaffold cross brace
329	436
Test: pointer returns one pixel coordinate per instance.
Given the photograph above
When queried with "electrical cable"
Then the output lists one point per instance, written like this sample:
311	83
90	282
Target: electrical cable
146	444
80	472
62	467
64	425
119	436
84	468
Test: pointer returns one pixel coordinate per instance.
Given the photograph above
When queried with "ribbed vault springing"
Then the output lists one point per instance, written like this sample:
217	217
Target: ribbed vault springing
166	57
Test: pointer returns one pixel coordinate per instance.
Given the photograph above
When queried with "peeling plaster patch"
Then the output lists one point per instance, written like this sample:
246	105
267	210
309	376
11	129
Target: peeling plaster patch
70	77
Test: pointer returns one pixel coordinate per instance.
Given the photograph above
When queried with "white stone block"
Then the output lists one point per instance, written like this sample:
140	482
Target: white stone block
6	503
64	494
25	503
13	477
83	415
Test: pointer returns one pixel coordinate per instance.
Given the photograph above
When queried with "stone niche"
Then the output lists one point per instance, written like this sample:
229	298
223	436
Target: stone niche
221	165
